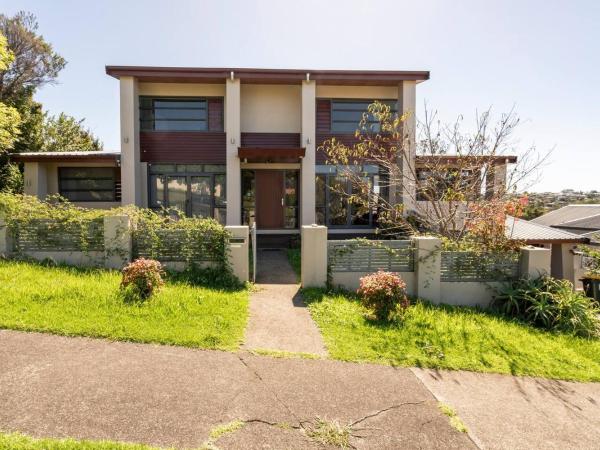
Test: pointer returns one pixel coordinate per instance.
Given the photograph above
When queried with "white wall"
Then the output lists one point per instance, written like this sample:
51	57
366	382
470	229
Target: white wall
468	293
362	92
351	280
270	108
182	89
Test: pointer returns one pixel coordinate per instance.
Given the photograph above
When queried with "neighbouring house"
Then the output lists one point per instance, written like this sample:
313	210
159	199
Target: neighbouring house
581	219
566	262
238	145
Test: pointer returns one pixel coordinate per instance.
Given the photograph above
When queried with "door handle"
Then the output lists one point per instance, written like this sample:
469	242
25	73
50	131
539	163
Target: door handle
282	202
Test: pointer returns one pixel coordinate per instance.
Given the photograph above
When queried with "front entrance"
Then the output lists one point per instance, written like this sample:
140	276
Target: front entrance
270	198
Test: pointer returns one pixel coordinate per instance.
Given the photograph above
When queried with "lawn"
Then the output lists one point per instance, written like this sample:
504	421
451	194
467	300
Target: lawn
293	255
451	338
17	441
87	302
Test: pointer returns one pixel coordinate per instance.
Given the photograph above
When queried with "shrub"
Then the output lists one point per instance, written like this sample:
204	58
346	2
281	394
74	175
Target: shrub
384	294
549	303
141	279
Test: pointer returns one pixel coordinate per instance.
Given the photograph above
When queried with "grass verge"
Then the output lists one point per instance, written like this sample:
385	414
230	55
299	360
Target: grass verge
87	302
448	337
18	441
293	255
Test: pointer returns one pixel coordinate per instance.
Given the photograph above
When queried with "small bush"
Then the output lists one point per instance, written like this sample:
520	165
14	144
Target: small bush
141	279
551	304
384	294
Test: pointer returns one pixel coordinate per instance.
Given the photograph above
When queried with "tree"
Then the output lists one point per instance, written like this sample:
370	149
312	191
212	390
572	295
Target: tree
65	133
441	182
34	61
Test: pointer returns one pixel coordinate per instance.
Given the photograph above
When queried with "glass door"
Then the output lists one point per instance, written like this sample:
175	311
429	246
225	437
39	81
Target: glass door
177	192
200	196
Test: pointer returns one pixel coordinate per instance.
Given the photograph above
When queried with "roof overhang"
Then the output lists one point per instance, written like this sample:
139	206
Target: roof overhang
77	156
271	154
267	76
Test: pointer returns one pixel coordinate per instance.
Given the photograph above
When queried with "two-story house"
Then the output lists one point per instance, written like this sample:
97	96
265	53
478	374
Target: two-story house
239	145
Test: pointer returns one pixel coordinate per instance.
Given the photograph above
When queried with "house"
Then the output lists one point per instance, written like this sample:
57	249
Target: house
238	145
582	219
566	262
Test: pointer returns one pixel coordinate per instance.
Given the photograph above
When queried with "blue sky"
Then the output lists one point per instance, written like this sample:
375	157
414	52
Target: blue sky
543	57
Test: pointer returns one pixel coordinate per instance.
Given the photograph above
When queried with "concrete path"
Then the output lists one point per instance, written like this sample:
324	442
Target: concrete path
52	386
505	412
279	319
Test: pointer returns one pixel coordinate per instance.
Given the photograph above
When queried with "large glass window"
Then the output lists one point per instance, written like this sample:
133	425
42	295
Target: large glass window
197	190
347	114
89	184
173	114
332	194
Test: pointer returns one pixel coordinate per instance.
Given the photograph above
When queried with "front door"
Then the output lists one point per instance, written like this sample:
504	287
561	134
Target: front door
269	199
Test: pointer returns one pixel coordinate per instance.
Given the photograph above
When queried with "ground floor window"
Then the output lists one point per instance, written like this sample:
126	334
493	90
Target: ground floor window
331	197
270	198
89	184
197	190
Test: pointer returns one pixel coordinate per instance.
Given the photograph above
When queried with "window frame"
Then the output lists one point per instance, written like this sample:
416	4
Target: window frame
115	181
367	102
152	98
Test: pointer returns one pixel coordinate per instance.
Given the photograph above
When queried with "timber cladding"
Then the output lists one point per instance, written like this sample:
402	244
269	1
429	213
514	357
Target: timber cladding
207	147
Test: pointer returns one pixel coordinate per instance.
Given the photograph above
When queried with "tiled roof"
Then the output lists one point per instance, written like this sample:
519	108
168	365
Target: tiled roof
567	214
589	223
531	232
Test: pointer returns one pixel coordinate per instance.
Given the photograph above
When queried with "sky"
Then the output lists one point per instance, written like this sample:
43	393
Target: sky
540	57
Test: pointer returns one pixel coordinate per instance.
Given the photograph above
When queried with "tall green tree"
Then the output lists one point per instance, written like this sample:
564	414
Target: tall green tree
64	133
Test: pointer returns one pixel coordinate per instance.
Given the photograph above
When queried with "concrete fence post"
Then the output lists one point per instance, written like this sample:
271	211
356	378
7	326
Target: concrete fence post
535	262
313	256
428	261
6	241
238	251
118	241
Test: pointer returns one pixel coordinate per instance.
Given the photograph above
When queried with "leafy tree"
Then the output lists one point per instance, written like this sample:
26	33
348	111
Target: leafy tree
35	62
64	133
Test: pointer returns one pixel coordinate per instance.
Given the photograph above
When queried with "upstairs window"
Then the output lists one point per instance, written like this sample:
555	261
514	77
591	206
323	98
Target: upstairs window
347	114
173	114
89	184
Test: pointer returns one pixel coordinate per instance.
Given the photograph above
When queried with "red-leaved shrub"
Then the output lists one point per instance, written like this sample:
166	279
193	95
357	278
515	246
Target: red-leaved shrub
384	294
141	279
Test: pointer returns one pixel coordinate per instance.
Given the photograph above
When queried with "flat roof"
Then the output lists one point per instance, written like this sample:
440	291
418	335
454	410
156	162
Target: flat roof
68	156
267	76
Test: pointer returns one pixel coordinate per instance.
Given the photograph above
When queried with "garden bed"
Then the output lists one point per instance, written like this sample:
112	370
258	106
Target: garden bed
87	302
451	338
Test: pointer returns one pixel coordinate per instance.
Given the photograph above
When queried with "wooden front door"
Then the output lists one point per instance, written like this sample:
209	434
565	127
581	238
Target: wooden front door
269	199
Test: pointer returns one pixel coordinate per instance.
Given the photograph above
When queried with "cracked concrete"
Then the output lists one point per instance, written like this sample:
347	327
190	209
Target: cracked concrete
52	386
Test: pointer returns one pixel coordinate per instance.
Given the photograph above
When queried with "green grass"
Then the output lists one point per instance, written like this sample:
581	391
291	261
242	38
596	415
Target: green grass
451	338
86	302
293	255
17	441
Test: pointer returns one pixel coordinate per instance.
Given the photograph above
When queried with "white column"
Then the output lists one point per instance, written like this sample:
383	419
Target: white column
130	143
309	136
35	180
238	252
407	104
428	261
313	256
118	241
233	136
535	262
6	241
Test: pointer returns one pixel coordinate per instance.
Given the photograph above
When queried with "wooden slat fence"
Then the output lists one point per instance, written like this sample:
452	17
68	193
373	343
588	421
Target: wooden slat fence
49	235
352	256
177	245
471	266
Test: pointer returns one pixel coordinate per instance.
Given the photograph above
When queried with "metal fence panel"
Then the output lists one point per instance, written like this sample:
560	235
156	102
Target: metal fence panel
49	235
471	266
353	256
173	245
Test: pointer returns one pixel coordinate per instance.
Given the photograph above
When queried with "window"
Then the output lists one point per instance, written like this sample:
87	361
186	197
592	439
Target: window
331	198
347	114
173	114
198	190
89	184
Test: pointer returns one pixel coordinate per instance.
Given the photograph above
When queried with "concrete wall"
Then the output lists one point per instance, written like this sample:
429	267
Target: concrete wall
182	89
356	92
351	280
270	108
473	293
